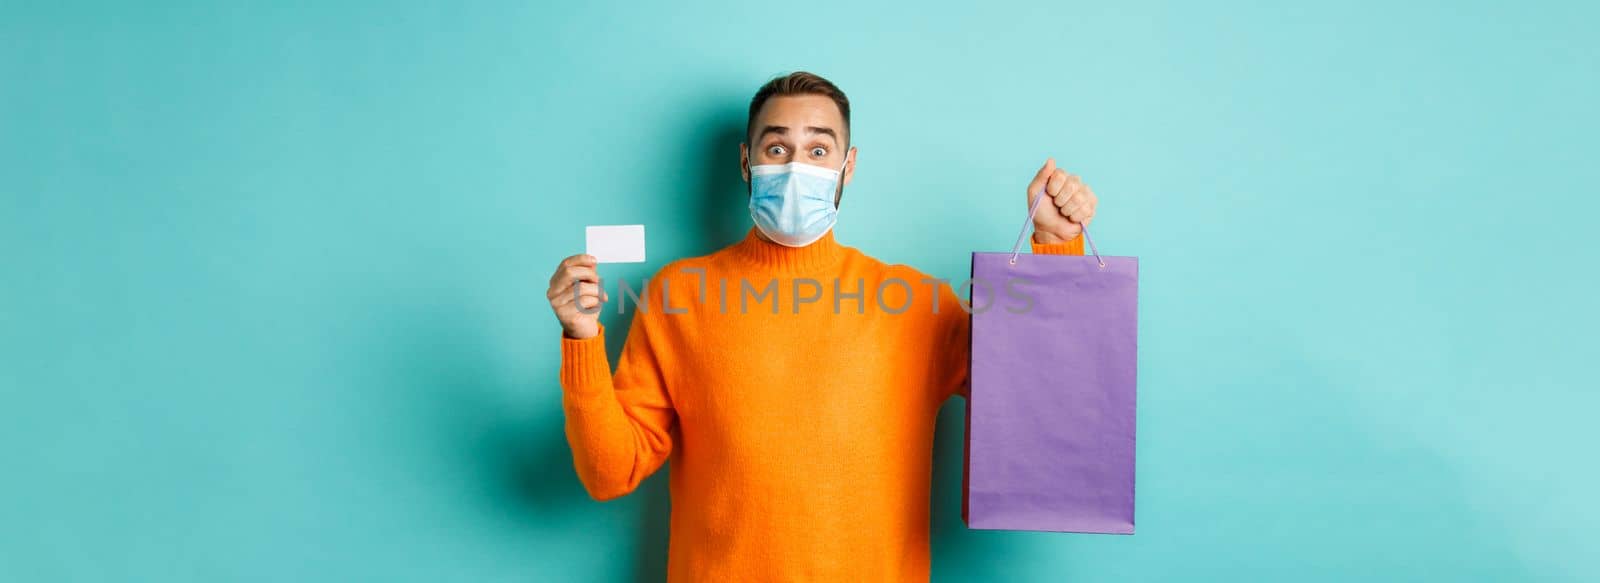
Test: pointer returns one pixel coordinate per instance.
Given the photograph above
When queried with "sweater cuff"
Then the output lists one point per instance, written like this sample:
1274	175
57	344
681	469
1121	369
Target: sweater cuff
1073	246
585	372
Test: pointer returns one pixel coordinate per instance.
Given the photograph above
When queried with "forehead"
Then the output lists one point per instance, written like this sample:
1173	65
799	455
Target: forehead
798	111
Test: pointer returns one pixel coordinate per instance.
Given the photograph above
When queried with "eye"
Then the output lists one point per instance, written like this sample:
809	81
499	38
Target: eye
775	150
819	151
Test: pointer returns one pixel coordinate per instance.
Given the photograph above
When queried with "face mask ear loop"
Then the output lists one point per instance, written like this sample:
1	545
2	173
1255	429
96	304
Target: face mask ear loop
838	196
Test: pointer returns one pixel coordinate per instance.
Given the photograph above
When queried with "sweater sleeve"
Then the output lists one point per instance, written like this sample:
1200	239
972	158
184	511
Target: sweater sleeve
619	426
957	326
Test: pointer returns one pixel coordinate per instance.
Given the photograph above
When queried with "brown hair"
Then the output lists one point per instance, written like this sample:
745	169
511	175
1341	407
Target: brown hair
799	83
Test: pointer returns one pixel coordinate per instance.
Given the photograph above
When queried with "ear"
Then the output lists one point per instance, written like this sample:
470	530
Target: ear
744	161
849	165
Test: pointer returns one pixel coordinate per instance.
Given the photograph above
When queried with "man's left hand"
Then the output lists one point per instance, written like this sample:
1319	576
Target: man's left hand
1070	206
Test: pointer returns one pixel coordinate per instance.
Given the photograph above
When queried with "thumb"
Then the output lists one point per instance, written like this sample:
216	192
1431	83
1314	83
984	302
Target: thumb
1041	178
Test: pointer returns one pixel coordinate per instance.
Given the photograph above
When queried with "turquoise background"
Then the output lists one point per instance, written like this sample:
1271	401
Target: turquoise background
272	274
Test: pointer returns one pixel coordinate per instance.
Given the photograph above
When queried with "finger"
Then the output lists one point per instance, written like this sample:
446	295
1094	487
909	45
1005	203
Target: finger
564	288
1082	214
1058	181
579	259
1066	201
567	292
584	289
1040	178
567	272
584	298
1069	190
589	290
579	273
559	286
1074	203
1081	204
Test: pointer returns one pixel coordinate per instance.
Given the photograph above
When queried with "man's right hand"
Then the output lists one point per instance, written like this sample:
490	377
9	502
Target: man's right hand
577	272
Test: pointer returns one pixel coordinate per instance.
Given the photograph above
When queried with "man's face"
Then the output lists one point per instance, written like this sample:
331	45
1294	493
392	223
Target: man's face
799	128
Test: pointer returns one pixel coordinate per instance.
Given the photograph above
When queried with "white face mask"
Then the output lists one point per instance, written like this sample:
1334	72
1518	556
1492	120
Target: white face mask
793	203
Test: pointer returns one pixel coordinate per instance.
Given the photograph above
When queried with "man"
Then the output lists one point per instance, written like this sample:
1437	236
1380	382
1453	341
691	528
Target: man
800	431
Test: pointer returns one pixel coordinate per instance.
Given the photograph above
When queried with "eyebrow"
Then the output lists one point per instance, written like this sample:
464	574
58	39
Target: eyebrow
784	131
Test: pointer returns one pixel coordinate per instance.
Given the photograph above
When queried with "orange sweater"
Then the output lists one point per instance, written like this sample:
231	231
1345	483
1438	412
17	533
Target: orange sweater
801	441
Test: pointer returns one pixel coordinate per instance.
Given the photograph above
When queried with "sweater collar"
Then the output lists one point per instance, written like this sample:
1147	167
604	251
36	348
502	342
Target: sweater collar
761	254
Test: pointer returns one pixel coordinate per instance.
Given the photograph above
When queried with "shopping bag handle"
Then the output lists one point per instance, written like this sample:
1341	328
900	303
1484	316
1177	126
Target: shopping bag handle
1035	209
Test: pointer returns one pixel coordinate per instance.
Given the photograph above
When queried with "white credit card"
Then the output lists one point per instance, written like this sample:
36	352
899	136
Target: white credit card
615	243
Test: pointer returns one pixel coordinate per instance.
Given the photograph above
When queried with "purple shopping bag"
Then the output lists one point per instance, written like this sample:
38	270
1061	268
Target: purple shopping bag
1050	421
